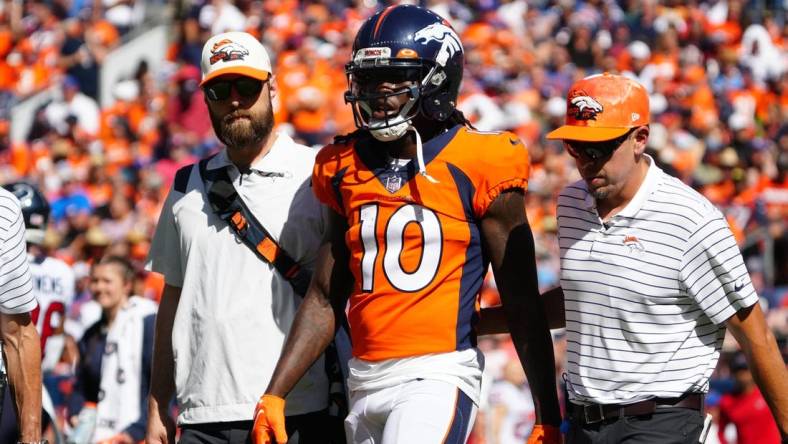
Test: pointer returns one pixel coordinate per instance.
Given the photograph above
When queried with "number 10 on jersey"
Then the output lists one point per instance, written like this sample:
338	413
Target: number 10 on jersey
393	242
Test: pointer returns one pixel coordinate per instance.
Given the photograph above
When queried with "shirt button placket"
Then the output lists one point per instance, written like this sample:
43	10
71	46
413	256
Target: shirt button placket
599	234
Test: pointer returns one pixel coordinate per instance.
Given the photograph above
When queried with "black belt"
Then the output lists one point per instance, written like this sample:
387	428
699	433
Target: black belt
594	413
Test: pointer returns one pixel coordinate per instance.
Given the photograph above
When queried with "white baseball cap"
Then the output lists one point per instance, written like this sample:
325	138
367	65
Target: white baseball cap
639	50
234	53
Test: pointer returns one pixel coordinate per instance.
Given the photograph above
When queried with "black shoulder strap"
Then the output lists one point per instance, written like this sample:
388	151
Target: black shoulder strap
182	178
229	206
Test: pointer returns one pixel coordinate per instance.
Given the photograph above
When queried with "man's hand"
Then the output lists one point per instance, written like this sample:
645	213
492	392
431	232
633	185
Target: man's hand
161	427
21	347
545	434
269	421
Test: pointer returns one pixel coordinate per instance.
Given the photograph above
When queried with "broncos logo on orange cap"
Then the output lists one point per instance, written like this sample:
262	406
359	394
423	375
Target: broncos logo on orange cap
227	50
584	107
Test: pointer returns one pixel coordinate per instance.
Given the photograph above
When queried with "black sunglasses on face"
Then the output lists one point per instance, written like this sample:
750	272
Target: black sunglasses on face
372	77
246	86
595	150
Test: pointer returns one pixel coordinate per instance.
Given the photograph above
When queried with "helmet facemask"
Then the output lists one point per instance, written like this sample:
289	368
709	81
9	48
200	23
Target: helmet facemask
420	77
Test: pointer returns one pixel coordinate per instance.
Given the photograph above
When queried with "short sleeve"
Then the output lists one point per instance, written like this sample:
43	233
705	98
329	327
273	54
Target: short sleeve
713	271
16	284
502	164
165	253
326	179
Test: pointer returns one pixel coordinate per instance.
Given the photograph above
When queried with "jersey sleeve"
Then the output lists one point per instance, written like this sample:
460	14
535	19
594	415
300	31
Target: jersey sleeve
502	164
326	177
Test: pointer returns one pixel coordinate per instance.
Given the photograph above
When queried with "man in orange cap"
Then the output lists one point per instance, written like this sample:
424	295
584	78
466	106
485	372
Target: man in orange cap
651	277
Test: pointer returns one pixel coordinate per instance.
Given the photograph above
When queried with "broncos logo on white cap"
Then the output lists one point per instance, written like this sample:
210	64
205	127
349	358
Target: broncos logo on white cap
442	33
585	107
227	50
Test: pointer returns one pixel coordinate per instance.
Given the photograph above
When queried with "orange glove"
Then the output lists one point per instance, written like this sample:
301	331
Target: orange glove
545	434
120	438
269	420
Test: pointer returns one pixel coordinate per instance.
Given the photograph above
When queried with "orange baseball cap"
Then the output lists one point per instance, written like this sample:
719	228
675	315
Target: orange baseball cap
234	53
602	107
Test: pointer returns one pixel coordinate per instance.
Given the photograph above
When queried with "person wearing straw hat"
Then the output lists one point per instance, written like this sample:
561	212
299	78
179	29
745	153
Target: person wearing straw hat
651	278
225	312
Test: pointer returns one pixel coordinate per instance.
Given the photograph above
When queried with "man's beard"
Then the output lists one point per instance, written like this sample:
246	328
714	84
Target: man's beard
600	194
243	133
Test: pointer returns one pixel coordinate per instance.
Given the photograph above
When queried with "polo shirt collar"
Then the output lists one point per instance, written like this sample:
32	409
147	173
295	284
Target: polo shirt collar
273	161
649	185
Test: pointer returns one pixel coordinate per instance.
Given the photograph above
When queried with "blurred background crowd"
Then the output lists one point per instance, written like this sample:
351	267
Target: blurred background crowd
104	150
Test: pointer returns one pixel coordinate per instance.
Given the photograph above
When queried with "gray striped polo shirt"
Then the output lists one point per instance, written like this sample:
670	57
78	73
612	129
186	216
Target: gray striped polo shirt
647	294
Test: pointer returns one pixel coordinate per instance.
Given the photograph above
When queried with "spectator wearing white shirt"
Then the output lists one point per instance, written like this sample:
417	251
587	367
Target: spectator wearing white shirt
74	107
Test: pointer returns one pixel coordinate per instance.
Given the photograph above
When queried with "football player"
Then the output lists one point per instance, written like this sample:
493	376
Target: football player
420	204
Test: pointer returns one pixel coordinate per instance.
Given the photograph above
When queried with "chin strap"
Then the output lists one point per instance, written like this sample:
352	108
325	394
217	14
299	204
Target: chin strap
420	156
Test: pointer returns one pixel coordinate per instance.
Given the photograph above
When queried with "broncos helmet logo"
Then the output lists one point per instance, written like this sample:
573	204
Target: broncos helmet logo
444	34
227	50
585	107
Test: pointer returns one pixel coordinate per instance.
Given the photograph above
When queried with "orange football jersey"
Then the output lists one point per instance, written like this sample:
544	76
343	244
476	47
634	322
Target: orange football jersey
415	246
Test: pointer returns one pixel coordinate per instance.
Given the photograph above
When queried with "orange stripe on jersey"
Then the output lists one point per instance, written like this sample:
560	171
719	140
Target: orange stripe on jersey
380	20
415	246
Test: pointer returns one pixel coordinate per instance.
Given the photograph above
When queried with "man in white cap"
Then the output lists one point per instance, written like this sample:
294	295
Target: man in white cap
225	312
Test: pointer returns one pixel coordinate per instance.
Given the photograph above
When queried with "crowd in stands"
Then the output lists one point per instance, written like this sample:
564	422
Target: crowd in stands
716	71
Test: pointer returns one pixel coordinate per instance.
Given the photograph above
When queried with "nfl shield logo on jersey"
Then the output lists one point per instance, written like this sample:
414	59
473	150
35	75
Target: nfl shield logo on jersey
393	183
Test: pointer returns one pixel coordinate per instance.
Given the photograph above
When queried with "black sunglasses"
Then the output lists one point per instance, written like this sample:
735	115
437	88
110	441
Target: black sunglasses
246	86
595	150
390	75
